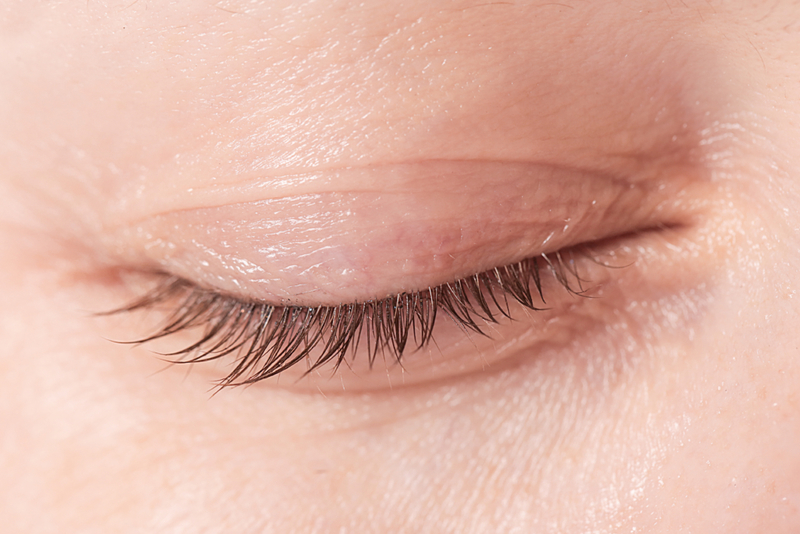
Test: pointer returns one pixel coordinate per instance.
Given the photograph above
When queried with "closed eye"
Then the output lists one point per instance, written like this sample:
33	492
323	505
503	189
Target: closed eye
283	287
266	340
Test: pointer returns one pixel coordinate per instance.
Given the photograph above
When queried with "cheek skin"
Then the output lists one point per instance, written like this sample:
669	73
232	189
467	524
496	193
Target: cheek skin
734	403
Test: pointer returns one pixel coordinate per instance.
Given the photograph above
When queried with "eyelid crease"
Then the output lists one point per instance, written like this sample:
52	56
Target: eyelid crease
269	339
355	246
169	197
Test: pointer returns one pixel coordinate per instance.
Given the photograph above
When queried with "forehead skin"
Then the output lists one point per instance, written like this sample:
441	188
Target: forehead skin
114	112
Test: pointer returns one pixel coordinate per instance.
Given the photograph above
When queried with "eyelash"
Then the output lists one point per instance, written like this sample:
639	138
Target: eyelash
270	339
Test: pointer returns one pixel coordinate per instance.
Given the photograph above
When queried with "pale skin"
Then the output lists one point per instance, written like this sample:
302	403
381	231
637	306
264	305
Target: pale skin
331	152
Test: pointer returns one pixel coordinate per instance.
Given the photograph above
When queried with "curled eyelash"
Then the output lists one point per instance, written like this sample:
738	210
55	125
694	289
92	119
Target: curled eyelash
267	339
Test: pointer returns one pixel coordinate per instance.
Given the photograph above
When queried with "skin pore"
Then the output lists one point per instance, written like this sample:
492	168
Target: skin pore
326	153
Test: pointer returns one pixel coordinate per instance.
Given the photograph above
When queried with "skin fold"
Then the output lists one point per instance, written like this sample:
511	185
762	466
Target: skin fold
326	153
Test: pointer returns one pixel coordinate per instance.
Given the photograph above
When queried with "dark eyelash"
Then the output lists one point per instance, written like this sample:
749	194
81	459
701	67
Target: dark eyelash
268	339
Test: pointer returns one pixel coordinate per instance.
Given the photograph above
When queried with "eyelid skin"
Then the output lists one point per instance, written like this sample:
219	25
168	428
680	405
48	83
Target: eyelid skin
387	230
590	287
536	212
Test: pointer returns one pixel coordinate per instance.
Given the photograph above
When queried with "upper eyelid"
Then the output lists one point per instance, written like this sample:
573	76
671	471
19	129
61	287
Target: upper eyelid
165	197
355	247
